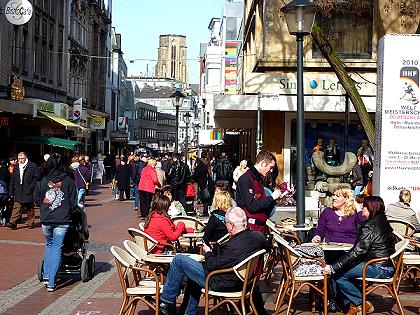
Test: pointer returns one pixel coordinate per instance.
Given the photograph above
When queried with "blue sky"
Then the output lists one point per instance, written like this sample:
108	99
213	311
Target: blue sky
140	22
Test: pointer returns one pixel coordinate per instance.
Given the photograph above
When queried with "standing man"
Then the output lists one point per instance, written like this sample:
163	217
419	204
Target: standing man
250	194
22	186
224	171
365	160
178	176
138	165
166	164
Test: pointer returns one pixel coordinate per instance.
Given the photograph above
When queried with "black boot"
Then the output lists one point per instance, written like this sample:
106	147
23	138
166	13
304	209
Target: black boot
167	308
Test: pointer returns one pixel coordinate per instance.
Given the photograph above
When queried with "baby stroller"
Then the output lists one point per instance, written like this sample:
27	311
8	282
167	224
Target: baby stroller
74	256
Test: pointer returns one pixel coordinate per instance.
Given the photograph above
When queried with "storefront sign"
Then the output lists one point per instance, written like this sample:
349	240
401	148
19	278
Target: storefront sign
77	108
97	122
17	90
397	156
4	121
210	137
231	68
315	83
18	12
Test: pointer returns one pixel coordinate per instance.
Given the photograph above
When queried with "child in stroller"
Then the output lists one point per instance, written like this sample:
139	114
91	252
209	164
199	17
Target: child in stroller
74	256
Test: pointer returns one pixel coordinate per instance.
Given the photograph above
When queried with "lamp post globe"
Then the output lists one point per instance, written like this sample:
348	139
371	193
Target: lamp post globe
177	99
300	16
187	119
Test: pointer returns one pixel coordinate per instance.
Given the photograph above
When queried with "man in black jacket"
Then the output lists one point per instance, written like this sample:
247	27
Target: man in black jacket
22	186
224	171
242	244
178	176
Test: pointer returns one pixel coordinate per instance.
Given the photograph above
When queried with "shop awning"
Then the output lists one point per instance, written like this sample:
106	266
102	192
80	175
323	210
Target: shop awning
55	142
68	124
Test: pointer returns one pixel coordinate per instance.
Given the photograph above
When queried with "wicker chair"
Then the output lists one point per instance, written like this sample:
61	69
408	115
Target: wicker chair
290	284
145	241
135	288
247	272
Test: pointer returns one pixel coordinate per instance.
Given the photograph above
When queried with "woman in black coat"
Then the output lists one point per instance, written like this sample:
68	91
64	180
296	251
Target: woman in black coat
205	184
375	240
122	176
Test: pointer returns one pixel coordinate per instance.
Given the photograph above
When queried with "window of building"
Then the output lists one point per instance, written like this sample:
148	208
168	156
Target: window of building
231	28
15	47
173	59
350	36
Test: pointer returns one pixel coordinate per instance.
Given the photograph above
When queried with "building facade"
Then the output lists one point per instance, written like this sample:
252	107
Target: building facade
172	58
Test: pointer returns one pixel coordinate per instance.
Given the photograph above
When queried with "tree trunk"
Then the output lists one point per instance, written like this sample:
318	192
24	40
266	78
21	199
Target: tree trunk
339	68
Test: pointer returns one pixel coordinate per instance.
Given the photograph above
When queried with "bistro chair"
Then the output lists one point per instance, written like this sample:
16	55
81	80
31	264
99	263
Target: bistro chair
369	285
139	254
135	288
240	301
144	240
411	263
402	227
190	222
290	284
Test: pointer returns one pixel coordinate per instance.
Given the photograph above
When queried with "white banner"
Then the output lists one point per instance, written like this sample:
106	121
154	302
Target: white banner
397	158
77	108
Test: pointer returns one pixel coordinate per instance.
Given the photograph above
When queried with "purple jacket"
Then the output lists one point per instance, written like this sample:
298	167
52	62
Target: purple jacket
334	229
84	171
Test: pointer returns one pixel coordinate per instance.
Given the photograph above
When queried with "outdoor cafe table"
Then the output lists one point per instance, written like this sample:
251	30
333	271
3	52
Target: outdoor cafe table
193	238
333	246
166	258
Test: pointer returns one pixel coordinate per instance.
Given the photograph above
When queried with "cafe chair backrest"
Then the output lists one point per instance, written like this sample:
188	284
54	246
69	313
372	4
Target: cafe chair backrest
142	239
243	267
189	222
402	227
135	250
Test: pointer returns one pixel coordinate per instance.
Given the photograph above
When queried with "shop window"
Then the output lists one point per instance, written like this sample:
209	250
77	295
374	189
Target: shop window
349	35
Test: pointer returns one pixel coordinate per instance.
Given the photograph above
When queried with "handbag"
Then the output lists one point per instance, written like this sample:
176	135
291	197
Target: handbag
307	267
84	180
190	190
205	194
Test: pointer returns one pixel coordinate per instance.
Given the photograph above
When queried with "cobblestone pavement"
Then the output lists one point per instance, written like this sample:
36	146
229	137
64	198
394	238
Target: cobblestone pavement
22	293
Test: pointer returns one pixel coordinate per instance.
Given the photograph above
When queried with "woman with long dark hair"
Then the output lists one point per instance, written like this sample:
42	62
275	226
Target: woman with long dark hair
375	240
159	224
202	175
56	196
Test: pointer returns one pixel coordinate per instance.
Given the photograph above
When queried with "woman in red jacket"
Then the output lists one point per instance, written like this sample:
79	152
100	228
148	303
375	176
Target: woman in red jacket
147	186
159	224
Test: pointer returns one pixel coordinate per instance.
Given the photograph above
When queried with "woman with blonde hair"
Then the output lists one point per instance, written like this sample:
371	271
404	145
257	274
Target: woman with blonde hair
216	228
338	224
401	210
147	187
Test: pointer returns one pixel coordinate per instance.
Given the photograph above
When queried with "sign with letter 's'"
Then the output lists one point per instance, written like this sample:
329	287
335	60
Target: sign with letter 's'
18	12
397	130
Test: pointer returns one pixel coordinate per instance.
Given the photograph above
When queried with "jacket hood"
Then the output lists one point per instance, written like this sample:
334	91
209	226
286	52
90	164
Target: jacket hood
56	176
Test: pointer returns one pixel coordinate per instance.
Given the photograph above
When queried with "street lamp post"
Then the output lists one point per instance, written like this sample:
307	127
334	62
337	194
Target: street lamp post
187	119
300	16
177	98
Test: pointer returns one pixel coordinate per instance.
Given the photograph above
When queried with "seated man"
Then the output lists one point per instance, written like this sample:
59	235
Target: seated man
241	244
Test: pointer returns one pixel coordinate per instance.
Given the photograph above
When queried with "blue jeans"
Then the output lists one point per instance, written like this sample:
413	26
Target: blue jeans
54	237
346	281
184	266
136	196
81	196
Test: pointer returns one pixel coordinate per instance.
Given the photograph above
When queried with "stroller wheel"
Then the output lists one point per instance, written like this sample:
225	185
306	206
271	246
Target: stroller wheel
91	266
84	270
41	271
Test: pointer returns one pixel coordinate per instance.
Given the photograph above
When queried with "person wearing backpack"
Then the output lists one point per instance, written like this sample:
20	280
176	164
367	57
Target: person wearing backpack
224	171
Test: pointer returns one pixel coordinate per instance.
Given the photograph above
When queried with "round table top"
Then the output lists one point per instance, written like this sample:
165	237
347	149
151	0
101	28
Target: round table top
289	227
193	235
331	246
167	258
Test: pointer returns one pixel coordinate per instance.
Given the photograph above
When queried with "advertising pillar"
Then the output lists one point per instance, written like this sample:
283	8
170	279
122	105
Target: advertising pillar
397	130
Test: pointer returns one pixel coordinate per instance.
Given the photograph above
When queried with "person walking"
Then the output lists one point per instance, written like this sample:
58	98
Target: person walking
177	178
238	172
202	175
82	178
140	162
56	195
22	186
160	173
147	187
223	171
122	176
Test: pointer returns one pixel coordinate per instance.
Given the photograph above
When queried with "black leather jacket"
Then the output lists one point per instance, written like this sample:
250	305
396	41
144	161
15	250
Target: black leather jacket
179	174
375	240
223	170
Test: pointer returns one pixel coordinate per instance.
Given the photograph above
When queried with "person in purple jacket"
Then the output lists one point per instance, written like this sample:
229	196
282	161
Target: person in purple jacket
339	223
82	179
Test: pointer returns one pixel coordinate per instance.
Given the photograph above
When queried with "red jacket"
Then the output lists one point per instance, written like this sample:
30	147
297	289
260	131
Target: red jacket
163	230
148	179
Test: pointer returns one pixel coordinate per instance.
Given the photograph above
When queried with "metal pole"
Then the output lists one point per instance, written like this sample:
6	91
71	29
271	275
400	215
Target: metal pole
259	123
186	141
176	127
300	135
346	124
203	126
